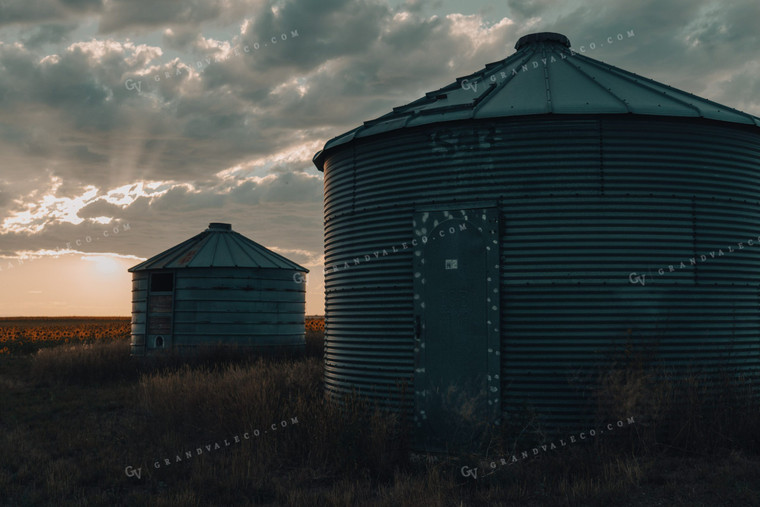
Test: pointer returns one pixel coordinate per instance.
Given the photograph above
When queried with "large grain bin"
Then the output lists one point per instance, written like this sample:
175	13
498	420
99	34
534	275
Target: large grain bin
493	243
217	288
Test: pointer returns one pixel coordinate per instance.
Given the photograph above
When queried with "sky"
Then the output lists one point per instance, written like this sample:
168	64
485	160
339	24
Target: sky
126	126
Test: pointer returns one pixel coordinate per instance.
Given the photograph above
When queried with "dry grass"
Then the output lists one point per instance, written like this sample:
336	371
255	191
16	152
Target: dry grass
688	410
74	417
84	364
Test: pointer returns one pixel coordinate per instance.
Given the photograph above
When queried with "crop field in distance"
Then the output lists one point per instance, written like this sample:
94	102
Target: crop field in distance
29	334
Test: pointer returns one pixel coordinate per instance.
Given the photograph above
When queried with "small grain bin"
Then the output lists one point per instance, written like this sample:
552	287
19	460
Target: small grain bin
217	288
493	244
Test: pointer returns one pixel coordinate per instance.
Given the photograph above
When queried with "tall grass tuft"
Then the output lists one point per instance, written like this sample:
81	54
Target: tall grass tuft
684	410
193	405
84	364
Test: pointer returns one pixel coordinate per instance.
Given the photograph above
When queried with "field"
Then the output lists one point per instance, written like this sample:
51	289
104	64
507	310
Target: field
24	335
81	423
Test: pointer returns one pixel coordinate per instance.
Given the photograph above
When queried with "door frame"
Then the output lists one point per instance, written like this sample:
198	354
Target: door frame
485	216
168	337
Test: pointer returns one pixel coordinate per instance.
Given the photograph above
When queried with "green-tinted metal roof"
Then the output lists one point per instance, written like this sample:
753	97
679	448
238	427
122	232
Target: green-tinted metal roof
544	77
218	246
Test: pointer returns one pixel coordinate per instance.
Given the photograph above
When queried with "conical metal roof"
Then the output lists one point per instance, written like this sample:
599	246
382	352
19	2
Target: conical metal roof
216	247
544	77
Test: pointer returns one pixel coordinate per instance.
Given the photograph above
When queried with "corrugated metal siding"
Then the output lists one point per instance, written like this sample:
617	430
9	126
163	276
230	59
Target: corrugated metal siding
139	312
238	306
584	201
227	306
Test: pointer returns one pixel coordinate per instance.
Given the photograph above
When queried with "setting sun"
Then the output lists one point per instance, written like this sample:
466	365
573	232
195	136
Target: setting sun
105	265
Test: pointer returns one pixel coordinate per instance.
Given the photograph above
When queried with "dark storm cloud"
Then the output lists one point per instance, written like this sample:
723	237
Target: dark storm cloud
414	5
5	197
122	14
82	153
67	84
733	23
335	28
382	62
81	95
70	116
37	11
47	34
82	5
524	9
183	128
100	208
116	15
180	199
287	187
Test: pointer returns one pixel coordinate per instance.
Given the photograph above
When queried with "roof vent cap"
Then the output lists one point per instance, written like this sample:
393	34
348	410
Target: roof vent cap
219	226
535	38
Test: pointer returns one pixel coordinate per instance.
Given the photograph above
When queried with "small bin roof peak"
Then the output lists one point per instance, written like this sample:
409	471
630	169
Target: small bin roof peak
544	76
216	247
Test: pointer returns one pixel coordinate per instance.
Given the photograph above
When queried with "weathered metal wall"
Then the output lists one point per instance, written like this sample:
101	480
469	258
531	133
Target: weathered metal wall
238	306
228	306
584	201
139	312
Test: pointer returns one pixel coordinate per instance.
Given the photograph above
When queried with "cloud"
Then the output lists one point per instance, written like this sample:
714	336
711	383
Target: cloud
217	133
181	37
24	12
48	34
526	9
187	123
5	196
120	15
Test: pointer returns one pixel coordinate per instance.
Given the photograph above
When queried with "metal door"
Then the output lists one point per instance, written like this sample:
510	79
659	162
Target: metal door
457	350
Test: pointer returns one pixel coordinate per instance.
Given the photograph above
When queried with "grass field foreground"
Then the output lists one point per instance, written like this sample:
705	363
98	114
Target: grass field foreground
78	421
